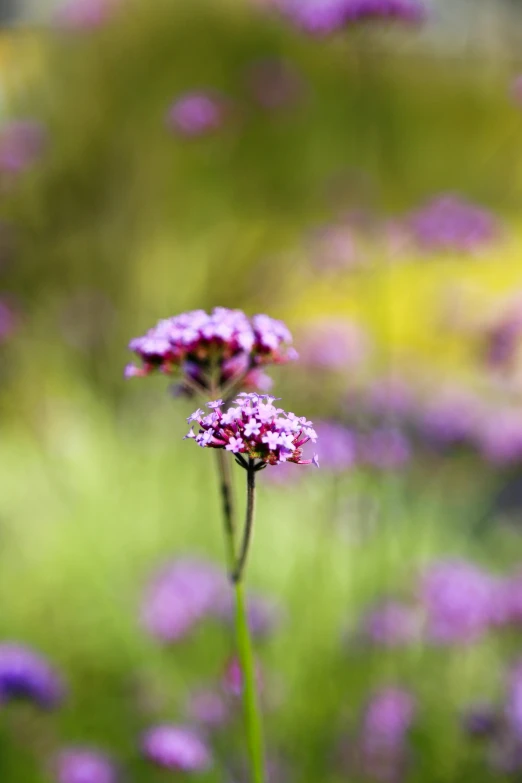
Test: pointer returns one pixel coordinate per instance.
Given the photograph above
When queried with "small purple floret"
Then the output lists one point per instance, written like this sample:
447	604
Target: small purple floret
197	114
176	748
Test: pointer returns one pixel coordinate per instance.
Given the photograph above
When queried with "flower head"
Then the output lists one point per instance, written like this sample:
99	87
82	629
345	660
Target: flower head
25	674
391	624
197	114
180	596
223	346
334	344
459	601
85	14
385	448
258	430
176	748
84	765
389	715
449	223
326	16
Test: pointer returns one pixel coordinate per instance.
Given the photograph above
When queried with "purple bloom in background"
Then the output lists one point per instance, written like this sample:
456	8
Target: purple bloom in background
388	718
275	83
459	599
334	344
500	436
25	674
326	16
384	449
264	614
390	396
84	765
22	143
337	450
85	14
448	223
391	624
197	113
208	708
452	417
481	721
176	748
180	596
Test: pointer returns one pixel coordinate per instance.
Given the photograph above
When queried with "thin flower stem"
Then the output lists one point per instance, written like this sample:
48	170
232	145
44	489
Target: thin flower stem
253	724
227	502
249	522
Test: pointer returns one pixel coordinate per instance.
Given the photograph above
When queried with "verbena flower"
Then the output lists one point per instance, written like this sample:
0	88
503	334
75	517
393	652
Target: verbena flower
84	765
449	223
27	675
209	708
176	748
217	348
253	427
22	143
85	14
179	596
482	720
388	717
391	624
327	16
197	113
459	600
338	446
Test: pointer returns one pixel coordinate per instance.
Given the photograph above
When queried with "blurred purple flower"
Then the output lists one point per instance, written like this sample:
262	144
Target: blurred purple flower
388	718
176	748
264	614
448	223
481	721
334	344
84	765
209	709
179	596
25	674
385	449
451	417
337	446
275	83
500	436
390	396
459	599
85	14
22	143
197	113
326	16
391	624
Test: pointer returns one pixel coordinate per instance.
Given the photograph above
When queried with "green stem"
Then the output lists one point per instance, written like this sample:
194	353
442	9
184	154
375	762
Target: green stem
253	725
227	502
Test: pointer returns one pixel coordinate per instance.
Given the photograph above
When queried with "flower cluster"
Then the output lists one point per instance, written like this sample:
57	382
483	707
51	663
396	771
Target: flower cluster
327	16
196	114
176	748
25	674
84	765
449	223
85	15
254	427
222	347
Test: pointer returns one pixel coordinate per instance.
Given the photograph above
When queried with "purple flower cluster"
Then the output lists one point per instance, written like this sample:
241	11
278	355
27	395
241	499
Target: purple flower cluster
177	748
383	744
499	437
385	448
197	114
22	143
452	417
327	16
25	674
459	599
448	223
85	14
220	348
84	765
391	624
180	596
254	427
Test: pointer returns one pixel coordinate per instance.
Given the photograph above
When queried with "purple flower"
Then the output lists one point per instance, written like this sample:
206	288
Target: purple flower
209	709
22	143
388	718
176	748
481	721
279	437
452	417
500	436
179	596
459	599
274	83
390	396
224	344
334	344
197	114
448	223
25	674
85	14
337	449
385	449
326	16
84	765
391	624
233	677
